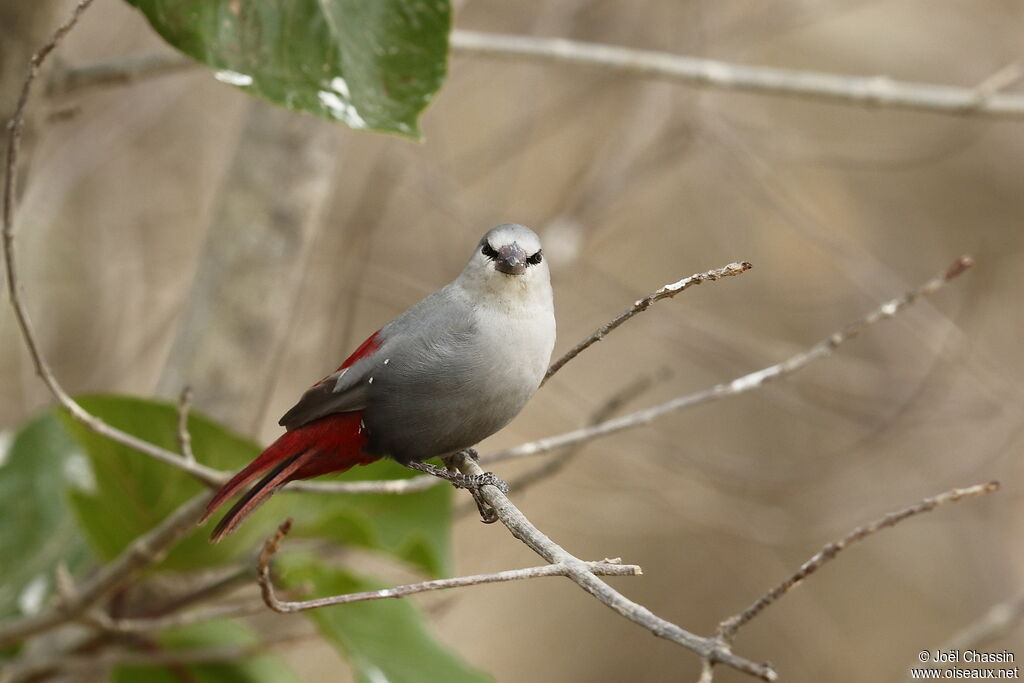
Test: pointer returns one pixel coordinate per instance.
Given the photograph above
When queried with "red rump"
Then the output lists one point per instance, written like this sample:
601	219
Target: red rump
367	348
333	443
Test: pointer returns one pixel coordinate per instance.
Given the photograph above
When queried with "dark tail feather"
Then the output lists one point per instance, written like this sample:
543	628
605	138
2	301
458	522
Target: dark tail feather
258	495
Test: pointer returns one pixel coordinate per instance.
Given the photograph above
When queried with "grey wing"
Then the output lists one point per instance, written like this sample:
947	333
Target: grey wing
340	392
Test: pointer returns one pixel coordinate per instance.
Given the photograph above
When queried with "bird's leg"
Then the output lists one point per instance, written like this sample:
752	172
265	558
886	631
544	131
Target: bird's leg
465	481
488	515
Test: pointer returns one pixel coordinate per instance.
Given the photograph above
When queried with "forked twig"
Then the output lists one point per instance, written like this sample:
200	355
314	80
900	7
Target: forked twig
273	544
714	649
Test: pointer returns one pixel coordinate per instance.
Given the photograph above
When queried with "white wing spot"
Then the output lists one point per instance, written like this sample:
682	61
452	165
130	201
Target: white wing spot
386	361
337	382
369	381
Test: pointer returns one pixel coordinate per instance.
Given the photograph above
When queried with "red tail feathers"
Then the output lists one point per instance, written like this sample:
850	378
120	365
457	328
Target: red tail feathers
333	443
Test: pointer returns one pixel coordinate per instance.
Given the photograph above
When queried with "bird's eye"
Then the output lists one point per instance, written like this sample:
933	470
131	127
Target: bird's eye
535	259
488	251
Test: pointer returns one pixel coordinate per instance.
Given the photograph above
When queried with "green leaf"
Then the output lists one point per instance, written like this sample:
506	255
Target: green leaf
263	668
39	530
414	527
383	639
132	492
372	65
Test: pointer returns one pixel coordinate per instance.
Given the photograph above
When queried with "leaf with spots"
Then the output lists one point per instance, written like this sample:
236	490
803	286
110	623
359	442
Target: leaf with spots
371	65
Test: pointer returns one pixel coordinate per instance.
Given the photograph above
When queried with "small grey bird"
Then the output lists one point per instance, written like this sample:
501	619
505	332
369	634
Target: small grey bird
441	377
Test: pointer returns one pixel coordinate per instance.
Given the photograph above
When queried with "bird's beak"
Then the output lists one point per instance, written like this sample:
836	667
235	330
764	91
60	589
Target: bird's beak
511	259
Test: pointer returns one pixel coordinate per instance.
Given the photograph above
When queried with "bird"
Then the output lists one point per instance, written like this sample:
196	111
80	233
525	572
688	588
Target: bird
447	373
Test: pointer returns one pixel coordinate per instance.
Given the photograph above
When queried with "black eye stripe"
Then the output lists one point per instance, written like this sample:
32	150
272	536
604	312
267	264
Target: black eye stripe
490	252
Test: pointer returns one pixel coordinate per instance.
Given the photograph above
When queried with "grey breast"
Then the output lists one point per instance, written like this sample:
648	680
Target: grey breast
442	384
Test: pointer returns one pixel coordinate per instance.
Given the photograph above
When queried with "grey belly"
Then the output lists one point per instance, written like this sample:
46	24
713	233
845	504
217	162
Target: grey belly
415	419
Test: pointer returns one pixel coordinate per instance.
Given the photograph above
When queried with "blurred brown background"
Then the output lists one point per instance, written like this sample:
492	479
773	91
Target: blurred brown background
176	230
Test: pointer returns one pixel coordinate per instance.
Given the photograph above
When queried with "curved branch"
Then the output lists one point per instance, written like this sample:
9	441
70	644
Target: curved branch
641	305
728	628
741	384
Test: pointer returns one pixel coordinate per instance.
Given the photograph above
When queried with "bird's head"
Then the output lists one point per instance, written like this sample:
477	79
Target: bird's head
508	258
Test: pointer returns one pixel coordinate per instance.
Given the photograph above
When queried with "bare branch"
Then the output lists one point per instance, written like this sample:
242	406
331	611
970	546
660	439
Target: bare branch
867	91
641	305
273	544
184	436
176	620
984	99
172	612
741	384
728	628
37	668
115	72
998	81
999	619
713	649
143	552
16	126
211	590
553	465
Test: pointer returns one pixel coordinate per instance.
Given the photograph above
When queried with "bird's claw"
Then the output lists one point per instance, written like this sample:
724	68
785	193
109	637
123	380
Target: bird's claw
473	482
476	481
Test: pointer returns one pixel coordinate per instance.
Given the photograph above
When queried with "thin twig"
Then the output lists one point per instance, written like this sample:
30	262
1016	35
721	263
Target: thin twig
728	628
173	612
996	622
184	436
143	552
176	620
205	592
273	544
999	81
866	91
714	649
641	305
16	126
999	619
741	384
36	668
115	72
553	465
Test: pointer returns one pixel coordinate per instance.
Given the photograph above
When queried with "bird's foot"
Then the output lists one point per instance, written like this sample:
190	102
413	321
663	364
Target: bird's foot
472	482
